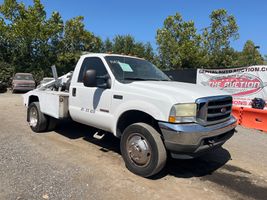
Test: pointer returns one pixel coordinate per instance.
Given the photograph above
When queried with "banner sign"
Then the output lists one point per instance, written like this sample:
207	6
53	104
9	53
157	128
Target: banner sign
244	84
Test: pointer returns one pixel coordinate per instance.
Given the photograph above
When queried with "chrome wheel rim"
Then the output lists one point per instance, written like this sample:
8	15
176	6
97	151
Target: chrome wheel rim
138	150
33	117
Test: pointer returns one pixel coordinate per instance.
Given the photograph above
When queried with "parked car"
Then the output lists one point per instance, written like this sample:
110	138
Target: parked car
22	82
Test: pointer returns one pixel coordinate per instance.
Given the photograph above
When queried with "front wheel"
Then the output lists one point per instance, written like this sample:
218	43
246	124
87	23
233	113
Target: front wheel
142	150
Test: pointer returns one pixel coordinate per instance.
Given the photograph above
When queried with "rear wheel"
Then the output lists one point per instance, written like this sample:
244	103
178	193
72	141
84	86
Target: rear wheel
142	150
37	120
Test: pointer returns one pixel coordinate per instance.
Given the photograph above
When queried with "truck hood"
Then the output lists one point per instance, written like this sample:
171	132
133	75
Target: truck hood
175	91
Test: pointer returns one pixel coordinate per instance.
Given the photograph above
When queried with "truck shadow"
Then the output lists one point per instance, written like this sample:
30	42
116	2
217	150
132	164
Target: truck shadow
197	167
74	130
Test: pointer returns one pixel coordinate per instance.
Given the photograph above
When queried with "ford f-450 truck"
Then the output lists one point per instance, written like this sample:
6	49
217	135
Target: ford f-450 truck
131	98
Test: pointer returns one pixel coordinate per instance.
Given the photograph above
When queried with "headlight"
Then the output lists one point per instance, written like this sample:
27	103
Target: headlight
182	113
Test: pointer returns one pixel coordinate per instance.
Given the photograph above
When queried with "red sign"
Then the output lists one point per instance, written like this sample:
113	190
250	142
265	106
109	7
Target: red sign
237	85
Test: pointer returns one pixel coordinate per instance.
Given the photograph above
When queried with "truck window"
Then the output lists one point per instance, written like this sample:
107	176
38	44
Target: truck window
23	77
129	68
93	63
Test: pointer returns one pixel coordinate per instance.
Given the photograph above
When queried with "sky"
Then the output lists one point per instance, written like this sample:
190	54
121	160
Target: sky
142	18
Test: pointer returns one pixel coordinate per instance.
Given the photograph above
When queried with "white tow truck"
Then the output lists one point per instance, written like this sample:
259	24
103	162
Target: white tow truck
132	99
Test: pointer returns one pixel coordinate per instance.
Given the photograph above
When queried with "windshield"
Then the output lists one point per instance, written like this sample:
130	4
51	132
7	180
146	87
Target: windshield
126	68
23	77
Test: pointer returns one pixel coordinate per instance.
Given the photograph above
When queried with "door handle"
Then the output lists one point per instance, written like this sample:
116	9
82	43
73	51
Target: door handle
74	92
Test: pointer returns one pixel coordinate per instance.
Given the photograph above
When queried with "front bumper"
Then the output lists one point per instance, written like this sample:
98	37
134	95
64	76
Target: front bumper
191	140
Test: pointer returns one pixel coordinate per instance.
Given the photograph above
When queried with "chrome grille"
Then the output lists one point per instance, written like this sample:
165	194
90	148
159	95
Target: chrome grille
212	110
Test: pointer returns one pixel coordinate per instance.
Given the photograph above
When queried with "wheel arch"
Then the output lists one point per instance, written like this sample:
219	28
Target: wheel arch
31	99
134	116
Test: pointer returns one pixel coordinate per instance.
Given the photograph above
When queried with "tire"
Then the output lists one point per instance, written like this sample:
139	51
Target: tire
37	120
142	150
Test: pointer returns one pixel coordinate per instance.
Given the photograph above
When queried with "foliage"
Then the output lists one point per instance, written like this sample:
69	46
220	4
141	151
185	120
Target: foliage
31	41
107	46
30	36
179	44
6	72
217	38
76	39
250	55
126	44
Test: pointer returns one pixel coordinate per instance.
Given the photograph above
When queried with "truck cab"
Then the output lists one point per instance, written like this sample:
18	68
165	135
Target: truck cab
132	99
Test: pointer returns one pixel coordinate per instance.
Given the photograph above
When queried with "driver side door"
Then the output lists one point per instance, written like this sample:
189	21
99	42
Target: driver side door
92	104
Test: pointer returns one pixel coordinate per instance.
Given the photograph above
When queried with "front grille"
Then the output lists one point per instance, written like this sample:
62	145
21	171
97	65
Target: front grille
212	110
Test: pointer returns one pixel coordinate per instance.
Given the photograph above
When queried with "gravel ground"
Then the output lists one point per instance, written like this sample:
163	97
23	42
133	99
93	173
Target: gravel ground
70	164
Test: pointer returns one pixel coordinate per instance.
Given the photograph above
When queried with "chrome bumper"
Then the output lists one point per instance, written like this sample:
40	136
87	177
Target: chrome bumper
188	140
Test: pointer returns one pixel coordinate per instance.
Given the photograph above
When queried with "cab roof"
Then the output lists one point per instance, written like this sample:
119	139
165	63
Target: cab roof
108	54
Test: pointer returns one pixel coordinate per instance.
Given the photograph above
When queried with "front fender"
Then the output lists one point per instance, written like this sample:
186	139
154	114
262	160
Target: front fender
138	105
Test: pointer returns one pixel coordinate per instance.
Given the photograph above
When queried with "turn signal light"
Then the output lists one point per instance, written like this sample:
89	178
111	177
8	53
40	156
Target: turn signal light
172	119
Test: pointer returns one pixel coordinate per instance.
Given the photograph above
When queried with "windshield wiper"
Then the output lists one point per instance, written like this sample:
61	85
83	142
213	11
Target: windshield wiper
154	79
164	80
135	79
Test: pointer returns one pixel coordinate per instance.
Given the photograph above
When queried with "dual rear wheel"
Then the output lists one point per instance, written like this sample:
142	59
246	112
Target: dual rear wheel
38	121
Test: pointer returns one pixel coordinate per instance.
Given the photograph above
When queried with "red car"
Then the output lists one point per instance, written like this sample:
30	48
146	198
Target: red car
23	82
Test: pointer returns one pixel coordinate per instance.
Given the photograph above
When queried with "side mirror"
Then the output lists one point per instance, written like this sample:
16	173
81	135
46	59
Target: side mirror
89	78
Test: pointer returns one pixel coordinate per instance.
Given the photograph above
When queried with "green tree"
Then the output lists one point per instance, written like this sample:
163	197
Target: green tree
4	45
107	46
126	44
76	39
32	42
250	55
29	35
179	45
123	44
217	38
6	71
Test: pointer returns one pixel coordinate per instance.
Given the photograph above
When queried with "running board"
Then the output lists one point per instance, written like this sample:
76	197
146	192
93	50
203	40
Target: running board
98	135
